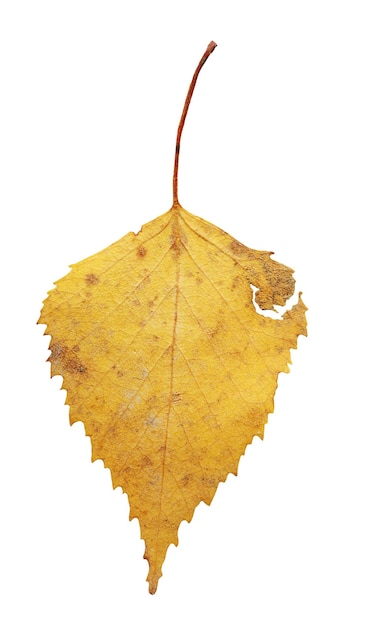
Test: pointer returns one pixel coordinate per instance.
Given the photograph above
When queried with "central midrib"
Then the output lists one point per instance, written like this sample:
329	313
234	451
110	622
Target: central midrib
175	245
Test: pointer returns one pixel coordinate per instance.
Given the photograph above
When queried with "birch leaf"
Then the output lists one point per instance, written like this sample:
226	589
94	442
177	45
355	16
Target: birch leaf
168	361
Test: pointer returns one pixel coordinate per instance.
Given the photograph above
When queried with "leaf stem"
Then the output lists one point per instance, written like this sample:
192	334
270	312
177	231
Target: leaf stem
211	46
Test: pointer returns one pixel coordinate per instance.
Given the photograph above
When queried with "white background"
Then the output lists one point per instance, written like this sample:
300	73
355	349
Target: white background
276	151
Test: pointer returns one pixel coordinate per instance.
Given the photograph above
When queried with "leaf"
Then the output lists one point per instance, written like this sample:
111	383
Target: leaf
168	363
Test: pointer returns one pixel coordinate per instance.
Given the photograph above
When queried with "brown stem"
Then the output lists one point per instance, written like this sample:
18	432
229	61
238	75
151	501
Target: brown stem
210	48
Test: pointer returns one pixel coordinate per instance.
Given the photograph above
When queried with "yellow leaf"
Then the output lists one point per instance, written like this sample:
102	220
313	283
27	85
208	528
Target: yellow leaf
168	363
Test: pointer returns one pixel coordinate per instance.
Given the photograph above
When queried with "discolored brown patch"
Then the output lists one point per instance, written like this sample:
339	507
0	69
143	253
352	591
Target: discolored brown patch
213	332
65	360
74	366
91	279
175	245
237	247
57	352
141	252
237	282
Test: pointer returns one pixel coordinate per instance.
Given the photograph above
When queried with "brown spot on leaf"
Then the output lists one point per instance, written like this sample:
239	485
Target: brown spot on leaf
74	366
66	359
175	245
57	352
237	282
212	332
237	247
141	252
91	279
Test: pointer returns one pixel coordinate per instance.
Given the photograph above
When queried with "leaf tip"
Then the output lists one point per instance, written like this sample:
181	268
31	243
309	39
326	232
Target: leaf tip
153	586
153	576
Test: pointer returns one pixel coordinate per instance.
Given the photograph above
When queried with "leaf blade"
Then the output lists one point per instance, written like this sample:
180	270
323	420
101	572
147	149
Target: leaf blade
137	328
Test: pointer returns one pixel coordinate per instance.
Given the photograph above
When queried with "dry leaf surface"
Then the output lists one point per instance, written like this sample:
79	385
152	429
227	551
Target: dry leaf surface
168	363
